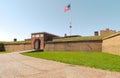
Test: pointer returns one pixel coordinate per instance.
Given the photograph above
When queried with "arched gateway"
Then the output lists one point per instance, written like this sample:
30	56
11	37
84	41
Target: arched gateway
39	39
37	44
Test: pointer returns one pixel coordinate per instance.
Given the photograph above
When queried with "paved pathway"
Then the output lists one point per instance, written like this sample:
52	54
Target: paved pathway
15	65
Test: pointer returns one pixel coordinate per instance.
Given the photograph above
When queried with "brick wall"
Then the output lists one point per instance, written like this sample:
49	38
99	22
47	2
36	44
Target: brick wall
112	45
17	47
43	37
89	46
107	31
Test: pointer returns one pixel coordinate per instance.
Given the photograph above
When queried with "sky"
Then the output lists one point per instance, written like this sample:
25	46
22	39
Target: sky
20	18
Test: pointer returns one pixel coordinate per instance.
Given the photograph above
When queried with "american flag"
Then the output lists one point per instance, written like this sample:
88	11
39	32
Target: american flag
67	8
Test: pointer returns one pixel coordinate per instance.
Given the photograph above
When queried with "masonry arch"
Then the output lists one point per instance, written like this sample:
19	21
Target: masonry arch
37	43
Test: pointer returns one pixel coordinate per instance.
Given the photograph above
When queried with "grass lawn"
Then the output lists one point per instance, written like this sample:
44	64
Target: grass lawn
90	59
2	52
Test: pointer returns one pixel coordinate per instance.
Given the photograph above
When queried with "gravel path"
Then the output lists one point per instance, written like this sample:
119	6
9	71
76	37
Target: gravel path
15	65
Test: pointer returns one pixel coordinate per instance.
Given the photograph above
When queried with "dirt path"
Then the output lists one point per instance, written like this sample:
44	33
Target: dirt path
15	65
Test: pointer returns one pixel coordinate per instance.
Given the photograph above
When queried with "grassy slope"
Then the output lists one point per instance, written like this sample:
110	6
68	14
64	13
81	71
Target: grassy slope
80	38
95	60
14	42
2	52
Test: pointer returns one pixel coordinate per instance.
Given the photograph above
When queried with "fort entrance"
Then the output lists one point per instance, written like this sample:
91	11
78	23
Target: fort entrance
37	45
38	40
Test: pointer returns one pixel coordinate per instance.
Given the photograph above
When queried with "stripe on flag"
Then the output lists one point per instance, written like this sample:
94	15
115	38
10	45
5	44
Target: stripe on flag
67	8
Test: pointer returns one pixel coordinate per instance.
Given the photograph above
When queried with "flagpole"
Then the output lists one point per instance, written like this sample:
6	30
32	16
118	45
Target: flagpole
70	20
68	8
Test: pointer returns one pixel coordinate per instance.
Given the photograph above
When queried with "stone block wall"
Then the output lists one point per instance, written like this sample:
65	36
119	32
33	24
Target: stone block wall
112	45
87	46
17	47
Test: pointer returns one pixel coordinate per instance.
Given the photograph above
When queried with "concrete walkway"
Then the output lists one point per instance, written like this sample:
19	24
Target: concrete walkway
15	65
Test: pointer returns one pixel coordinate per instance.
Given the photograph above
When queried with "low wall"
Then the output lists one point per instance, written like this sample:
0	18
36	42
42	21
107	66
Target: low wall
112	45
88	46
15	47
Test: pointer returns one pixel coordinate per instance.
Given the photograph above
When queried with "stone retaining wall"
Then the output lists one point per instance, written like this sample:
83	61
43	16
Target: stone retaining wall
112	45
88	46
15	47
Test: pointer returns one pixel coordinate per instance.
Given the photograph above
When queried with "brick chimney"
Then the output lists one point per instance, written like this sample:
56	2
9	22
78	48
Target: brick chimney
15	40
65	35
96	33
107	31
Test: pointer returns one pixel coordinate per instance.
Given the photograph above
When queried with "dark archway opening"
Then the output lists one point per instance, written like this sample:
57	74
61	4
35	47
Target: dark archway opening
37	45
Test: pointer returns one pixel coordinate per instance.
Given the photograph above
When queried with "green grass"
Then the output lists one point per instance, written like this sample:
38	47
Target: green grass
111	35
80	38
2	52
12	42
90	59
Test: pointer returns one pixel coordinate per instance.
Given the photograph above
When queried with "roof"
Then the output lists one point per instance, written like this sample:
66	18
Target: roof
45	33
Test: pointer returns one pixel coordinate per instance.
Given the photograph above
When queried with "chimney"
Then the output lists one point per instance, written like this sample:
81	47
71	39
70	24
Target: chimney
107	29
15	39
65	35
96	33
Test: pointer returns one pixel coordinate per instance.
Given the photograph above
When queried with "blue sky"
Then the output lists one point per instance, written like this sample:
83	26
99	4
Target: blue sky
20	18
